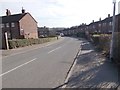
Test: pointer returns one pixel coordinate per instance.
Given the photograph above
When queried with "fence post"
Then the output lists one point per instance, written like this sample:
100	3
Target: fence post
6	39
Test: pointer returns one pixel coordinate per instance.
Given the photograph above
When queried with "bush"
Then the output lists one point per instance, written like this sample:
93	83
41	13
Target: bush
116	48
15	43
82	35
102	42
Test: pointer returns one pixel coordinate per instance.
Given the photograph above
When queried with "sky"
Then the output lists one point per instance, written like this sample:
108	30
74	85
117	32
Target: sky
61	13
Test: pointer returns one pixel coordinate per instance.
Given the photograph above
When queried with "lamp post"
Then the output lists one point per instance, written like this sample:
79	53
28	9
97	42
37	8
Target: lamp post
113	31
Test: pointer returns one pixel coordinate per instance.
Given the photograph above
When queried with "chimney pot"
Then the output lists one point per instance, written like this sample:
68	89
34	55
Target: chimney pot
108	15
8	12
23	10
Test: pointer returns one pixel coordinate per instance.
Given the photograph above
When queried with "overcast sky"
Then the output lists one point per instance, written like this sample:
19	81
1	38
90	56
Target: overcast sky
61	13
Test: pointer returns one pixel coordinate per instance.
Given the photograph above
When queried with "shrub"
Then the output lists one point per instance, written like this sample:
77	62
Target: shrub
102	42
116	48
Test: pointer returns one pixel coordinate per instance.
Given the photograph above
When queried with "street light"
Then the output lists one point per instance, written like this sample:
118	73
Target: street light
113	31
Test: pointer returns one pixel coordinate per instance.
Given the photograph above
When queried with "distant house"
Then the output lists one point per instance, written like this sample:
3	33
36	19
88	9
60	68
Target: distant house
43	32
18	26
46	31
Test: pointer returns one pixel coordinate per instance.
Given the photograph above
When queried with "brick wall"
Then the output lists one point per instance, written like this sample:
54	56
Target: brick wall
29	26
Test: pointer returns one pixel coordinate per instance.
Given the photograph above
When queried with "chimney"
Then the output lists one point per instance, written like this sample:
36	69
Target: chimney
8	12
108	15
93	21
99	19
23	10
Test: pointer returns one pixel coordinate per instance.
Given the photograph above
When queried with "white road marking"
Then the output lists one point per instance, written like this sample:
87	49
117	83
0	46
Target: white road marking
18	67
60	46
53	50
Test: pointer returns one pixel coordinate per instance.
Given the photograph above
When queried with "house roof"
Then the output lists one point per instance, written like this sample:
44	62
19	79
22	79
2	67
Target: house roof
14	18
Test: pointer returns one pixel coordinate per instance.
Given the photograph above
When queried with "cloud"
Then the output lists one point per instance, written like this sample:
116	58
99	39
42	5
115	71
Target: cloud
62	12
25	1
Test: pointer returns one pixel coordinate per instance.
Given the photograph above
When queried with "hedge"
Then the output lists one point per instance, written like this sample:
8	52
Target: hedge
15	43
102	42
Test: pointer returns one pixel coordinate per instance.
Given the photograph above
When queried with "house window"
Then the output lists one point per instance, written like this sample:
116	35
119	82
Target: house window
21	32
7	24
99	25
93	26
110	23
2	25
12	24
104	24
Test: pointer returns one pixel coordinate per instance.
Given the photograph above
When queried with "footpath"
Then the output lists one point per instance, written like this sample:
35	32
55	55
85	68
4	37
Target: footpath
92	70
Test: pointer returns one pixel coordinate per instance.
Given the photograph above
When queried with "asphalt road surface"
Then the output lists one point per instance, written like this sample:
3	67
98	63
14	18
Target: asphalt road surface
44	67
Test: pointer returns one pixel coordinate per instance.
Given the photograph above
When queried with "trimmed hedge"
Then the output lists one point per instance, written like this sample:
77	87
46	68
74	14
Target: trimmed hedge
102	42
16	43
116	48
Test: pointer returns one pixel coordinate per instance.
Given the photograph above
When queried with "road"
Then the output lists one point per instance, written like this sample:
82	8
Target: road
44	67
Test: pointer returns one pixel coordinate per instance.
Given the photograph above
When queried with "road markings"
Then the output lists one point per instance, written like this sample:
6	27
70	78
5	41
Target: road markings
18	67
59	47
53	50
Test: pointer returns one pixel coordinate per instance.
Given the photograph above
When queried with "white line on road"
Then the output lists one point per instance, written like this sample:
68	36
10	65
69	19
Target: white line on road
60	46
18	67
54	50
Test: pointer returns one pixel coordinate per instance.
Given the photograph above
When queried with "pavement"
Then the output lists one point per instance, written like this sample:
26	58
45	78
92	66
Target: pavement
40	66
92	70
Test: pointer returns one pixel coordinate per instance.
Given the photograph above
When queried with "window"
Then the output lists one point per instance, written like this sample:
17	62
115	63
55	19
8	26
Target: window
12	24
99	25
110	23
93	26
2	25
7	24
104	24
21	32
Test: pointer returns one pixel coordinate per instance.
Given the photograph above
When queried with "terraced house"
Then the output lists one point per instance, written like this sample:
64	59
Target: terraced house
18	26
102	26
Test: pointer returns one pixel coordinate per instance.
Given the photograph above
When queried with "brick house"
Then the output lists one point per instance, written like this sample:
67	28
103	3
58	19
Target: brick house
18	26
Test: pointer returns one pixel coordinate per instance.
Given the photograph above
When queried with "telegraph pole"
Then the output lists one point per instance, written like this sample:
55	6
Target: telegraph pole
113	31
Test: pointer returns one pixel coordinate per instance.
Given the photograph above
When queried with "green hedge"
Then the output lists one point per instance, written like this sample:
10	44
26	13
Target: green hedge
102	42
82	35
15	43
116	48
